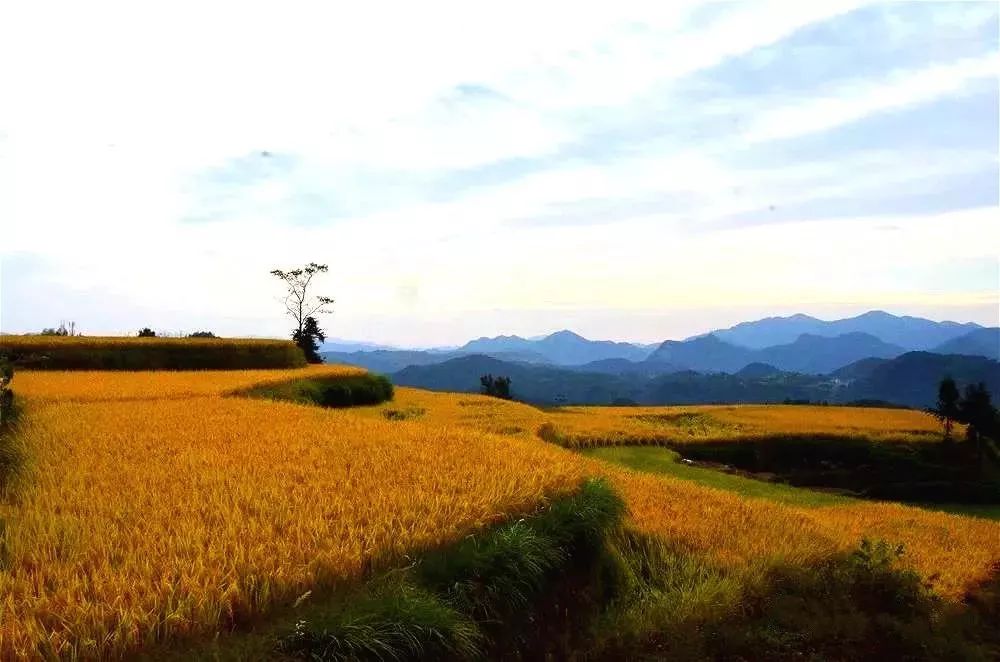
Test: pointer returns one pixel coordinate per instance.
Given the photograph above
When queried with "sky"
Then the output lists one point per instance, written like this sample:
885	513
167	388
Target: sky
633	171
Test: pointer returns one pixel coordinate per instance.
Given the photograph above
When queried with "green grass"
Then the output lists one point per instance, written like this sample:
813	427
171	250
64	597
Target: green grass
660	460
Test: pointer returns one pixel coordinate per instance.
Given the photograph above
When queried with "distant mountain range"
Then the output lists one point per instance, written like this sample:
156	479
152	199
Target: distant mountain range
766	360
910	380
560	348
910	333
808	353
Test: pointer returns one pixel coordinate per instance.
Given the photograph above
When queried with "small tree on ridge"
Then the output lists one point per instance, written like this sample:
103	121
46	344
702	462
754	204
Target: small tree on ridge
302	306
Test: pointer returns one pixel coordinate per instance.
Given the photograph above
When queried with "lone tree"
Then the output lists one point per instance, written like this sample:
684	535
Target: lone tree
976	410
146	332
303	306
947	410
307	337
498	387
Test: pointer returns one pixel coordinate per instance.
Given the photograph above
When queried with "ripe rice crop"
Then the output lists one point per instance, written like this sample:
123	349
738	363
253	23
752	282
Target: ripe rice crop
577	427
86	353
155	506
143	520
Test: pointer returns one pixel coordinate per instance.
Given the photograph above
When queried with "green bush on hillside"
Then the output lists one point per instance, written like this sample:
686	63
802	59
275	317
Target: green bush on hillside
356	391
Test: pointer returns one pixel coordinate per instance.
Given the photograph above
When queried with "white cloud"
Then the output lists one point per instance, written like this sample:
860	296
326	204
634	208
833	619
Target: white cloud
114	112
855	101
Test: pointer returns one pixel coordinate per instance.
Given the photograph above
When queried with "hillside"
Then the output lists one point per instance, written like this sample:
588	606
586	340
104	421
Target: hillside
910	379
981	342
539	384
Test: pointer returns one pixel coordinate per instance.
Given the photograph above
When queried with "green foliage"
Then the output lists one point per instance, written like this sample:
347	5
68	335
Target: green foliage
357	391
308	338
863	605
461	601
146	332
666	461
341	391
498	387
916	473
946	410
493	575
395	622
202	334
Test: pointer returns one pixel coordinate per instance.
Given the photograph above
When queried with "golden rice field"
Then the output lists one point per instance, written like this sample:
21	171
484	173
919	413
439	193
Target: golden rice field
154	507
602	426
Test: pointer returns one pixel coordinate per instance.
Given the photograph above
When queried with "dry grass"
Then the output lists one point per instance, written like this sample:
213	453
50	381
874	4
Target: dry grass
132	353
156	508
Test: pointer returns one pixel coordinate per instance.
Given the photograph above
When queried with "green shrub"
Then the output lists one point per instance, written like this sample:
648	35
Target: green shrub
863	605
395	622
356	391
444	605
341	391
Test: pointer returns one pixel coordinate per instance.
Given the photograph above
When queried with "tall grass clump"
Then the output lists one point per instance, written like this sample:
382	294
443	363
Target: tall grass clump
84	353
396	621
470	599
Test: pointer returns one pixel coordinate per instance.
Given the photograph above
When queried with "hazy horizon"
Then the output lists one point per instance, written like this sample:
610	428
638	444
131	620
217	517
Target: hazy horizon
636	172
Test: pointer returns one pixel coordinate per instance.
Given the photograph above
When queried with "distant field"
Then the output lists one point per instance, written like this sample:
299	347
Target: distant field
86	353
157	507
583	427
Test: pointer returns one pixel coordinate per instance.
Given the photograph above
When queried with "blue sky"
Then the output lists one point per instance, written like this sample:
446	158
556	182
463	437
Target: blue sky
639	171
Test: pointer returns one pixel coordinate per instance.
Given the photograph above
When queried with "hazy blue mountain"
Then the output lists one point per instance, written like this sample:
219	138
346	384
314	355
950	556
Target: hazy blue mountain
820	355
560	348
530	383
758	370
808	353
703	354
383	361
911	333
912	379
626	367
341	345
981	342
389	361
858	370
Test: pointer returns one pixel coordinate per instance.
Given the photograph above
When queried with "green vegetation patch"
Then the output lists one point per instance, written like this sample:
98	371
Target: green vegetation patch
917	473
668	462
339	391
